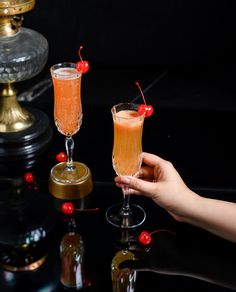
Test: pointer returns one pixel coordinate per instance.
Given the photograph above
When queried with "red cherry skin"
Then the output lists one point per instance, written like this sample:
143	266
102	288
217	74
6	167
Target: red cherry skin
67	208
28	177
147	109
82	66
142	109
145	238
61	156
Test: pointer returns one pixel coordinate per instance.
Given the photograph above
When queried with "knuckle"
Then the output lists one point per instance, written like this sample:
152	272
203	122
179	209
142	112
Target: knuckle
169	164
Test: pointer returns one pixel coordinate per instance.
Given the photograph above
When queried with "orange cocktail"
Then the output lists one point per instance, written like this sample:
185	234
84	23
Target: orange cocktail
127	147
67	99
68	117
126	160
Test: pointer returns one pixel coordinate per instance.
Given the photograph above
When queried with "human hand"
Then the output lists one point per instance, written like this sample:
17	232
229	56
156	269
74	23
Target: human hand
159	180
178	254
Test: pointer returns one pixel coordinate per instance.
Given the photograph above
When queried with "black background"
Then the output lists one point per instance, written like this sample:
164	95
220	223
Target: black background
183	55
190	43
154	33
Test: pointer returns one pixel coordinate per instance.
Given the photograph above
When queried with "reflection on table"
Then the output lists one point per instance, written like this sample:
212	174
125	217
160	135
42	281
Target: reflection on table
32	228
32	225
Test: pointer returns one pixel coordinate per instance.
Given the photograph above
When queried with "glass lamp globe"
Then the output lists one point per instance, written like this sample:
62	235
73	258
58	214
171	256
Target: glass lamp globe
23	54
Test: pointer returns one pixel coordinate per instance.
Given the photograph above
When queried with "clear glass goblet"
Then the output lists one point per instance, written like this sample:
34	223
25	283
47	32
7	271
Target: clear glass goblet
126	161
67	116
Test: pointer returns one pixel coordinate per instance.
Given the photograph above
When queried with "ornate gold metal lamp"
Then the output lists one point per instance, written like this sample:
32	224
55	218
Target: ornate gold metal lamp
23	54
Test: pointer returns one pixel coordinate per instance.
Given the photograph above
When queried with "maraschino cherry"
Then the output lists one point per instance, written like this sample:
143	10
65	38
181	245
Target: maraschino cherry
145	238
68	208
82	66
29	178
144	108
61	156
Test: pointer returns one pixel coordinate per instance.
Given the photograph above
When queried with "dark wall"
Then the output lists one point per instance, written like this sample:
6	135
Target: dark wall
151	32
194	112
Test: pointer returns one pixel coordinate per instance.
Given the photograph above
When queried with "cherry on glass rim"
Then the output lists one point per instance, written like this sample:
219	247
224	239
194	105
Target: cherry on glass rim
144	108
82	66
147	109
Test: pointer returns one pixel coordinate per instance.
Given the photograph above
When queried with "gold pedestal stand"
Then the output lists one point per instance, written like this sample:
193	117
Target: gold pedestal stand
70	190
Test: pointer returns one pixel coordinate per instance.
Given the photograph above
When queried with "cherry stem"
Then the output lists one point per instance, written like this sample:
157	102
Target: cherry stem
81	47
141	92
87	210
35	183
166	230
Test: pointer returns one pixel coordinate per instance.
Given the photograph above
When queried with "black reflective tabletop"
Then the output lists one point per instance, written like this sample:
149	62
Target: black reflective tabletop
198	141
182	256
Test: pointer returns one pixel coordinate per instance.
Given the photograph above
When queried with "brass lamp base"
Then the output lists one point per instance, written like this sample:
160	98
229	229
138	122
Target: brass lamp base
27	267
29	142
13	117
70	190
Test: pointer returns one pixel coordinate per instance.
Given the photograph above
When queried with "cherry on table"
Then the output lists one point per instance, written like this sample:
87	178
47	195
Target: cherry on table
67	208
145	238
28	177
61	156
82	66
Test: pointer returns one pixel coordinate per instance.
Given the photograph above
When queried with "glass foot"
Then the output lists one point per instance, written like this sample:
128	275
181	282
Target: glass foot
134	219
75	185
77	174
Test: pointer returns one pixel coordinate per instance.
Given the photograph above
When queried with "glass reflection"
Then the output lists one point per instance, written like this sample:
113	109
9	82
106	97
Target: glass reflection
26	218
123	280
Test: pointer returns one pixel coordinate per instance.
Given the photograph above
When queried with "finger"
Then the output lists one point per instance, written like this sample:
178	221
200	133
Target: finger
138	186
131	191
151	159
146	173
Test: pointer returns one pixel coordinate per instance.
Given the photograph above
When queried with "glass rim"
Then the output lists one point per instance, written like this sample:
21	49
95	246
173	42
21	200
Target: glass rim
133	106
72	65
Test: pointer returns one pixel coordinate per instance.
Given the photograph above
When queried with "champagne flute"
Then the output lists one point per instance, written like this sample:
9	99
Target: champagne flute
67	116
126	160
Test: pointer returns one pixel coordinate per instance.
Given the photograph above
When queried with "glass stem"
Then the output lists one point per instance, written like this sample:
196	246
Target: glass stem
125	239
69	142
125	210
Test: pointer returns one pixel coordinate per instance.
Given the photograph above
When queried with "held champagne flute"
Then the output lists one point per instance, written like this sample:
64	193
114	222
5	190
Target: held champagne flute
126	160
67	116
